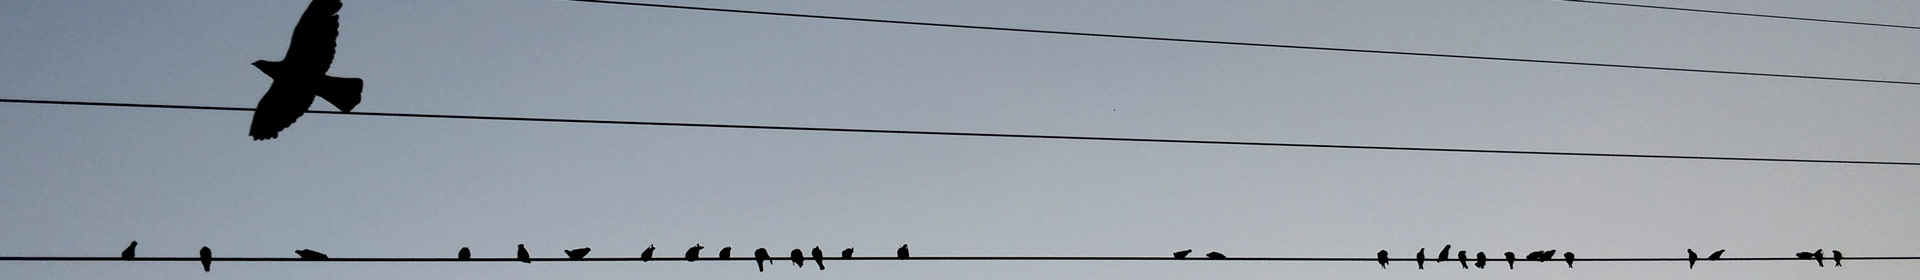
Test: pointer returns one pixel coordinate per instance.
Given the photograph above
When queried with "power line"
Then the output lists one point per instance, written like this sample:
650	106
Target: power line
1744	14
916	258
981	134
1249	44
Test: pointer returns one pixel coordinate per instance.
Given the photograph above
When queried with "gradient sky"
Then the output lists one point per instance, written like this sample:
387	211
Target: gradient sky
80	181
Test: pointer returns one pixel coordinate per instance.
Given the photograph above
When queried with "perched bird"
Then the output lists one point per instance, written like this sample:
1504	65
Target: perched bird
1547	256
1509	260
578	253
1803	255
1569	256
128	253
760	258
465	254
648	254
302	75
846	254
1463	259
1820	257
1420	258
694	252
1836	258
1691	257
1716	255
1480	260
206	259
1182	254
1535	255
1443	254
1382	258
306	254
524	257
799	260
1216	255
819	258
726	252
902	252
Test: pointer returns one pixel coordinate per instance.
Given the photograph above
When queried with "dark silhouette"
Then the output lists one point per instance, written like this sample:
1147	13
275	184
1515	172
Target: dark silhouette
1443	254
1509	260
1381	257
1820	257
522	255
648	254
694	252
206	259
1420	258
1691	257
1803	255
1836	258
578	253
726	252
128	253
1569	256
1463	259
306	254
902	252
799	260
302	75
761	258
1547	256
1216	255
1480	260
1182	254
465	254
1535	255
819	258
846	254
1716	255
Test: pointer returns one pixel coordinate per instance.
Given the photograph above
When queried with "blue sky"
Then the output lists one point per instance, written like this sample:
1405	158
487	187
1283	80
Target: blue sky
78	181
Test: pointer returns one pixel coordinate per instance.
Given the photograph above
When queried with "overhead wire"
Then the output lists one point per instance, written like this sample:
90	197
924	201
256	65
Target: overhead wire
1670	8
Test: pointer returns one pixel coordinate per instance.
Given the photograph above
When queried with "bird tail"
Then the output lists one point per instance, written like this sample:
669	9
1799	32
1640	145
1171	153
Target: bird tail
344	93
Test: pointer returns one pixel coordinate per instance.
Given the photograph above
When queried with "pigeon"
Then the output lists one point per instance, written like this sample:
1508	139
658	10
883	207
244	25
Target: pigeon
1569	256
306	254
302	74
1382	258
128	253
1691	257
846	254
206	259
799	260
1420	258
1715	255
578	253
1182	254
1820	257
1509	260
1216	255
694	252
1443	254
1547	256
465	254
524	258
819	258
1480	260
902	252
760	258
1463	259
1836	258
648	254
726	252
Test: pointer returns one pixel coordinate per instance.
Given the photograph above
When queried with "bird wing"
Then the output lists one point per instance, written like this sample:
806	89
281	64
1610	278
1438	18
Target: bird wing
313	37
278	110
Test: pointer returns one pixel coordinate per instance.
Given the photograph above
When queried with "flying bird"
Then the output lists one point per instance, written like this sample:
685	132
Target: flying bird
1836	258
1382	258
306	254
1716	255
465	254
1463	259
902	252
1820	257
761	258
1480	260
1443	254
302	75
694	252
846	254
1420	258
799	260
1216	255
1509	260
648	254
1569	256
128	253
578	253
206	259
819	258
1691	257
726	252
523	256
1182	254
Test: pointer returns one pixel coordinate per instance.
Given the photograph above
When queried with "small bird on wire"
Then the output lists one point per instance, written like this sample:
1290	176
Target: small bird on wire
1716	255
1569	256
1509	260
1463	259
206	259
128	253
726	252
465	254
799	260
1535	255
1480	260
1443	254
648	254
761	258
846	254
1820	257
578	253
522	254
1182	254
1544	257
694	252
1381	257
1216	255
1691	257
902	252
302	74
1836	258
306	254
819	258
1420	259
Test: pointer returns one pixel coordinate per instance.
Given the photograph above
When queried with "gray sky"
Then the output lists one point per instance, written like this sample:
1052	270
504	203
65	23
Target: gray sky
77	181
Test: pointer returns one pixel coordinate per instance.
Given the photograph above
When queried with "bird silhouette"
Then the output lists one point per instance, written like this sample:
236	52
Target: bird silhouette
799	260
1509	260
819	258
1836	258
465	254
578	253
1420	258
1820	257
1547	256
1443	254
306	254
1691	257
1569	256
1803	255
1382	258
522	255
902	252
206	259
1216	255
128	253
761	258
846	254
726	252
1463	259
1535	255
302	74
1182	254
1716	255
694	252
1480	260
648	254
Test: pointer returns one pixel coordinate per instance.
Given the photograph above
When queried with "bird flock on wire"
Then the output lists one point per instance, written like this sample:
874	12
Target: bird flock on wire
760	256
1480	258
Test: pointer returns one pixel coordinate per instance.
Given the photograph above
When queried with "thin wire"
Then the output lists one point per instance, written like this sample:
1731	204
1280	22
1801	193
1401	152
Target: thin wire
1216	42
917	258
1744	14
979	134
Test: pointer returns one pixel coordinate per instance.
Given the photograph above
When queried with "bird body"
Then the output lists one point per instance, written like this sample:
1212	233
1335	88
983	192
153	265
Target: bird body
1420	258
799	260
306	254
1836	258
206	259
578	253
1820	257
1547	256
726	252
819	258
1382	258
522	254
648	254
1480	260
902	252
1443	254
128	253
846	254
302	74
1463	259
1569	256
761	258
465	254
1716	255
1216	255
694	252
1535	255
1509	260
1691	257
1182	254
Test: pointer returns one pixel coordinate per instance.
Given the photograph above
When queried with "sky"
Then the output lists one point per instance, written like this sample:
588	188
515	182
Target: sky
83	181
